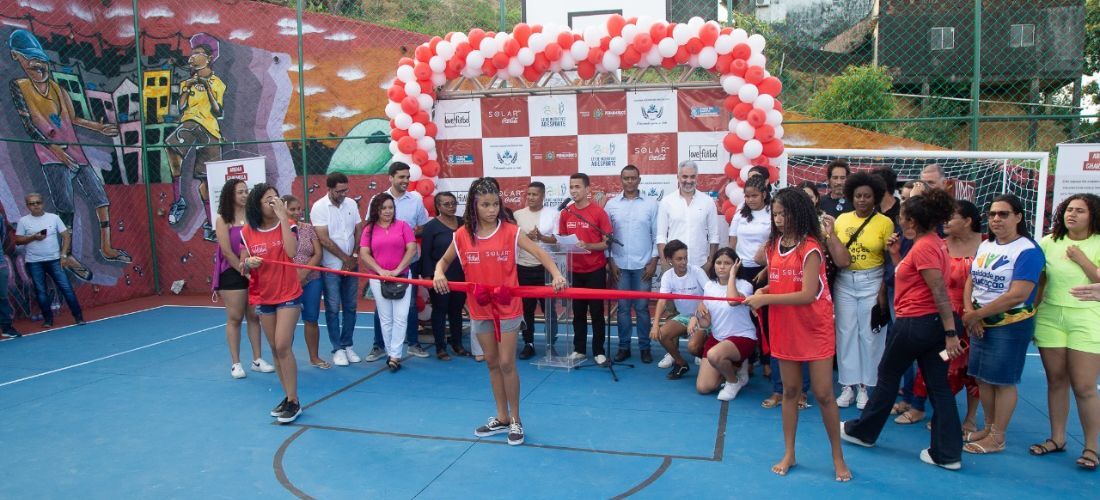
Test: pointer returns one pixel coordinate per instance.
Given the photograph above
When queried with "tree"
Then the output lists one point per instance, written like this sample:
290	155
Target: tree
860	93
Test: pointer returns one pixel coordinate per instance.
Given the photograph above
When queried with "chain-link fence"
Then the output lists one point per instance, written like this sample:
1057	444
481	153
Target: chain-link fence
119	104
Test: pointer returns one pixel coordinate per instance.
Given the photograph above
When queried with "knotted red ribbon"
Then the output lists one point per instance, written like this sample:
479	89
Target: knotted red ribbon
493	297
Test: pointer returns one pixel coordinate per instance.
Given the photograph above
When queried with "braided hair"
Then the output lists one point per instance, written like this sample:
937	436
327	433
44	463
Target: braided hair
484	186
799	216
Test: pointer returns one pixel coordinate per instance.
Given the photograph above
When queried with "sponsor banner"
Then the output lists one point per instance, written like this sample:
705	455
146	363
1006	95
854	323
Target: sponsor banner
705	149
1078	171
557	190
653	153
506	157
602	154
601	113
651	112
249	170
702	110
458	186
552	115
554	155
504	117
460	158
963	190
458	119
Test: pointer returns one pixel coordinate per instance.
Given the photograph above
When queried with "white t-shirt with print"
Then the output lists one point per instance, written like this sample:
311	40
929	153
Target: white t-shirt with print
751	235
691	283
725	320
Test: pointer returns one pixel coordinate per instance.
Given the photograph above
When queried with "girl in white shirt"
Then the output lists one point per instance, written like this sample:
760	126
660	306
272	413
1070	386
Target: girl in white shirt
732	333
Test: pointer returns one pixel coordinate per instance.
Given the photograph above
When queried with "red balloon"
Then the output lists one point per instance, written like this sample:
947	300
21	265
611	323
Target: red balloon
740	182
426	186
531	74
511	47
756	117
668	63
454	66
541	63
430	169
475	37
731	171
727	30
433	42
669	28
422	117
733	143
708	34
605	43
760	161
630	57
487	68
412	185
430	130
657	32
429	204
396	92
396	133
731	102
615	24
754	75
420	157
422	71
773	148
738	67
773	174
586	69
731	212
778	106
410	105
771	86
565	40
694	46
553	52
741	51
500	60
726	205
405	61
723	64
423	53
406	145
521	33
462	50
643	42
765	133
741	109
682	56
595	55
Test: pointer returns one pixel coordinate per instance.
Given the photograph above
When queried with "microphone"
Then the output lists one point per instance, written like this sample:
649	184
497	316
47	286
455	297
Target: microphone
564	204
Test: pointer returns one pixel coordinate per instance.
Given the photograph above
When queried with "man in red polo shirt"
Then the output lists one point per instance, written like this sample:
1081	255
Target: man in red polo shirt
589	223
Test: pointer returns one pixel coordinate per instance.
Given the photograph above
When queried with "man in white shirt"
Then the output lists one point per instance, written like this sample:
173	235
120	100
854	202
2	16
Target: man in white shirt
538	224
634	262
338	223
688	216
409	207
46	243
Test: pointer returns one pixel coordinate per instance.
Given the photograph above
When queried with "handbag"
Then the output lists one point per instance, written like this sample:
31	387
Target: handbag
393	290
831	269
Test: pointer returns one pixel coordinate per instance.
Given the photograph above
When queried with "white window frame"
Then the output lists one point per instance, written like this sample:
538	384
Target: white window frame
1021	41
944	36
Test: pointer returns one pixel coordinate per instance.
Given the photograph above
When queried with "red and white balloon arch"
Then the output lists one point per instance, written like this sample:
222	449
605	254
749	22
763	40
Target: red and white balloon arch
529	51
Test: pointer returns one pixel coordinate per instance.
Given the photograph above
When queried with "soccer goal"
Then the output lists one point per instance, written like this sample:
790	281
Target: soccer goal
977	176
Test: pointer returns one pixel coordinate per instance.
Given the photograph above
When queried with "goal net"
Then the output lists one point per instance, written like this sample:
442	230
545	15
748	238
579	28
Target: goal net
977	176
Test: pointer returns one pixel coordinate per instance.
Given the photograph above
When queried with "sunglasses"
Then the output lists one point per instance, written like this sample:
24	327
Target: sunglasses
1001	214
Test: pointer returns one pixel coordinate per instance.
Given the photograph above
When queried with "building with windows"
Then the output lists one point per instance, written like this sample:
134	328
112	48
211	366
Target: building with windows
157	94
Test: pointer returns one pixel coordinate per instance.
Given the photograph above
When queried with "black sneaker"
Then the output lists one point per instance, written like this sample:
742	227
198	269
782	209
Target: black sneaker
647	357
47	324
515	433
622	355
527	352
80	322
290	413
278	410
491	428
12	332
678	371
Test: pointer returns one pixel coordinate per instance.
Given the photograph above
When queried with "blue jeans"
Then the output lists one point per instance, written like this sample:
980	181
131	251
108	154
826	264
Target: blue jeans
340	293
5	304
412	326
38	272
631	279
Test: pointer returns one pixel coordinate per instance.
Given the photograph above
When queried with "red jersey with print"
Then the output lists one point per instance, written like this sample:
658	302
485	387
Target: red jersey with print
491	262
577	221
804	332
912	297
270	283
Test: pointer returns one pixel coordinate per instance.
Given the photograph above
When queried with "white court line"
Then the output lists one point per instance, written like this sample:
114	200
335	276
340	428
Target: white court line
29	377
57	329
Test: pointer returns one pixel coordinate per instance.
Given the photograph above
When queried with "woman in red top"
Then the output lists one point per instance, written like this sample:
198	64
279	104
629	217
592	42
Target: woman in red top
486	249
799	302
268	237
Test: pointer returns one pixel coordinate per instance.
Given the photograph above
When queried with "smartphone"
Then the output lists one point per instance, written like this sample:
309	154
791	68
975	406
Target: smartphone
963	344
42	232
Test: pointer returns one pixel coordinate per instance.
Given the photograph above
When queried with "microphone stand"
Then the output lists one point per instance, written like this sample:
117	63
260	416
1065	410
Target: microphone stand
610	364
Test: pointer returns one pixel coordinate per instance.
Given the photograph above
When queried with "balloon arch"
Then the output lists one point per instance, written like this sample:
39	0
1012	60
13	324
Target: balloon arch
530	51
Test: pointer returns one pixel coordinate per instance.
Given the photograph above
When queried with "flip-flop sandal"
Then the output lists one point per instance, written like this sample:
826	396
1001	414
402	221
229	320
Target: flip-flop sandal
324	365
1087	463
978	449
772	402
900	408
1040	449
80	271
394	365
906	419
122	257
803	404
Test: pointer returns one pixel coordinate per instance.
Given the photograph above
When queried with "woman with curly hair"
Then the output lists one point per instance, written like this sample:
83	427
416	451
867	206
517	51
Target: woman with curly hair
1066	328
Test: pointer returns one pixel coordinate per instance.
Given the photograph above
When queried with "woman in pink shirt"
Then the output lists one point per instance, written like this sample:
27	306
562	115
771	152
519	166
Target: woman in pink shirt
387	248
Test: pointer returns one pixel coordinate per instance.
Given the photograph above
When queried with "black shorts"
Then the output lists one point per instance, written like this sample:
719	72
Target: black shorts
230	279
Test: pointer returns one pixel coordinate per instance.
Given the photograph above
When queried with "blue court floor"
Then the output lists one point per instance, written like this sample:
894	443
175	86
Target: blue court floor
142	406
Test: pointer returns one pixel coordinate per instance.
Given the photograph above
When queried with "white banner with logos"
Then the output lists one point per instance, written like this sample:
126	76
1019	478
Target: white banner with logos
250	170
1078	171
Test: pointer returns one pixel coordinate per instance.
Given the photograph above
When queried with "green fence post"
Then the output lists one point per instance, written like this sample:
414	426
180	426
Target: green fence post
976	79
503	17
302	113
144	156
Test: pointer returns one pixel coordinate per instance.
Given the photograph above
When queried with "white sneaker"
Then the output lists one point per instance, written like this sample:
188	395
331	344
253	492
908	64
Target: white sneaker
666	362
862	397
852	439
237	371
339	358
352	357
576	356
743	374
729	391
259	365
926	457
846	397
698	361
600	359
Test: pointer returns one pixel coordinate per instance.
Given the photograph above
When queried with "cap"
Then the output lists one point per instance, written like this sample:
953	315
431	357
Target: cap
26	44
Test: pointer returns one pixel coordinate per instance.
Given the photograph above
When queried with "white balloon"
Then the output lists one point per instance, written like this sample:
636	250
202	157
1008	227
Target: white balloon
457	37
488	47
744	174
445	49
471	72
732	126
748	92
666	47
778	131
567	63
551	31
437	64
738	160
426	143
403	121
617	46
732	84
600	68
708	57
501	37
764	102
393	109
629	32
401	157
756	42
393	147
653	57
779	161
695	23
644	23
417	130
405	74
693	60
432	155
412	88
425	101
526	56
514	67
415	172
611	61
774	117
735	194
745	131
724	44
753	148
682	33
475	59
757	60
579	50
537	42
739	35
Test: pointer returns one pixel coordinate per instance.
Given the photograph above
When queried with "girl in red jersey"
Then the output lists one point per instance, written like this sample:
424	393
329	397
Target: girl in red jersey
268	237
486	249
801	313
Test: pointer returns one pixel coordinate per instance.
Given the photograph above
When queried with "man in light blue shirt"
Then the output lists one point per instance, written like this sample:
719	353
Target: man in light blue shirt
634	262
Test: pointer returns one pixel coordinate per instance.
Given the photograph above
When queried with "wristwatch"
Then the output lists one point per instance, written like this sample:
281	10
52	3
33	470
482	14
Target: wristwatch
950	333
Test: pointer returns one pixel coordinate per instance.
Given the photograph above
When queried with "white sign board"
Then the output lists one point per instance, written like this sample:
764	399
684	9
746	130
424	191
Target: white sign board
250	170
1078	171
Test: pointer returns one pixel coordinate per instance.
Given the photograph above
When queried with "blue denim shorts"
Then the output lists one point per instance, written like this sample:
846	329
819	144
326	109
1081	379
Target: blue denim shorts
997	357
265	309
311	300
